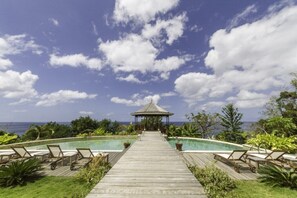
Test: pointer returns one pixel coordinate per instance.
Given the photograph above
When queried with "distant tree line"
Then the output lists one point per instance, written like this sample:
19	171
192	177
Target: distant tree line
81	127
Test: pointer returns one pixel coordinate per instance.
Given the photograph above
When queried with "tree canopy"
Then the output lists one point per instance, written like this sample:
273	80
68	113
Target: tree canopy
204	122
231	118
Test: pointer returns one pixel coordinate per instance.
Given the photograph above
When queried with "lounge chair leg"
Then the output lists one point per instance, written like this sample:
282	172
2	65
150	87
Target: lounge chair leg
236	168
53	166
72	166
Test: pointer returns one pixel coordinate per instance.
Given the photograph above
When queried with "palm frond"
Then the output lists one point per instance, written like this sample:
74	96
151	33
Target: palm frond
277	176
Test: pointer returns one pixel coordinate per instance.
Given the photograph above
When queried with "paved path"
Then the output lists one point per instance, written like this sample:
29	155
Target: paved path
150	168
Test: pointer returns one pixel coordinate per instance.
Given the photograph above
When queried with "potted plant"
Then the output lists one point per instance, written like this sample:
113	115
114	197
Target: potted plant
178	145
127	144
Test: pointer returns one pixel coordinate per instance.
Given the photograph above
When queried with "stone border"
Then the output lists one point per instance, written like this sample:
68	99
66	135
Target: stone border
58	140
208	140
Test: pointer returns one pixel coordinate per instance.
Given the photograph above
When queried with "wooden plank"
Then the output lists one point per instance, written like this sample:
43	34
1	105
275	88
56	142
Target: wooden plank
149	168
65	170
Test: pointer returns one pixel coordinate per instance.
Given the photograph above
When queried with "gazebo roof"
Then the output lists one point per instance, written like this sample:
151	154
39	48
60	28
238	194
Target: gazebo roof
151	109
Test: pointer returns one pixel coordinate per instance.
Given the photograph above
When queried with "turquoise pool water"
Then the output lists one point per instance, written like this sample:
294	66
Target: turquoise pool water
197	144
98	144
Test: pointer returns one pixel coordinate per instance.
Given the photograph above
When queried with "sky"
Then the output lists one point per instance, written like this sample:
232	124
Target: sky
63	59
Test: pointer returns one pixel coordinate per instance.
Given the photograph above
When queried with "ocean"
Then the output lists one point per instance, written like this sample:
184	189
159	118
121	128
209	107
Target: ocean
20	127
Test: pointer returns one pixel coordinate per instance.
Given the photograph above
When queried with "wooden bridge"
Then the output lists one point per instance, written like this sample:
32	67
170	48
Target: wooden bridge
150	168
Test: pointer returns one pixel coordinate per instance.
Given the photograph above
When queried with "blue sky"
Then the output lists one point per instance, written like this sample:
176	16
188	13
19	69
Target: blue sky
63	59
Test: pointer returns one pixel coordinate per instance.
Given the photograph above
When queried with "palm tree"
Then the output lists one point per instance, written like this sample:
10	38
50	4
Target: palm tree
231	118
39	129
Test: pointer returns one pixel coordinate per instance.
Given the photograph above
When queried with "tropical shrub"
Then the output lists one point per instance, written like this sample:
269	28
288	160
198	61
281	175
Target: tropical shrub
272	142
99	132
216	183
114	127
127	133
277	176
94	172
189	130
82	135
58	130
237	137
84	124
172	131
7	138
280	126
130	128
19	172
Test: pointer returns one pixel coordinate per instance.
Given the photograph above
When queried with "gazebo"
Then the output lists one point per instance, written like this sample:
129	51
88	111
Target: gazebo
148	111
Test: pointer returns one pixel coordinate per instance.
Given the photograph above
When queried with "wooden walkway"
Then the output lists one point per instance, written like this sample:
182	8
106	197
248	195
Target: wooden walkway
204	159
65	170
150	168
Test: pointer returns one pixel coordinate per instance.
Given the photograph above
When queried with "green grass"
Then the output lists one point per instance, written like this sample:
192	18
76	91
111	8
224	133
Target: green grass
48	187
252	189
69	187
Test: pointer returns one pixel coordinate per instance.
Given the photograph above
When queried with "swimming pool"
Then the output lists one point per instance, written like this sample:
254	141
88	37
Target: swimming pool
204	145
97	144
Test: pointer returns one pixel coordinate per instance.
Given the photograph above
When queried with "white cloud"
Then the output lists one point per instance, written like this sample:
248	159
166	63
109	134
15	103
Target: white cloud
136	100
86	112
63	96
168	94
196	28
132	53
17	85
141	10
280	5
76	60
21	101
241	17
131	78
55	22
247	99
136	54
269	43
212	104
199	86
164	66
5	63
246	71
15	44
174	29
94	30
110	114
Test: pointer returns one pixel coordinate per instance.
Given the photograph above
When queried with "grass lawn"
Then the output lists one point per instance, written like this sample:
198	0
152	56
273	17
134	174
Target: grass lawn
69	187
252	189
48	187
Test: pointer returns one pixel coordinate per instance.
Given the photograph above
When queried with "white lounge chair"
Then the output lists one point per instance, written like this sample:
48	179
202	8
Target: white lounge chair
274	155
23	153
236	158
58	155
5	156
85	156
